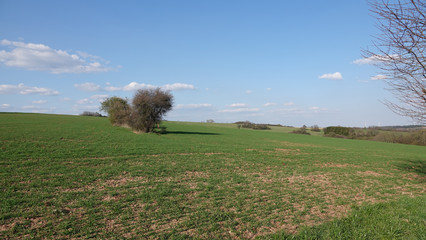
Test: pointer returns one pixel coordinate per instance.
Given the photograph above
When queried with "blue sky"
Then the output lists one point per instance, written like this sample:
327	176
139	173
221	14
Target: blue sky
286	62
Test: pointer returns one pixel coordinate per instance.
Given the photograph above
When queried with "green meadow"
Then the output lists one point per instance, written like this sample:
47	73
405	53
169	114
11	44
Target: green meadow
79	177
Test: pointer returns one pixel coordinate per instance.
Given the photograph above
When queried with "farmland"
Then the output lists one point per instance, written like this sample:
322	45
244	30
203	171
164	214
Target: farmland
80	177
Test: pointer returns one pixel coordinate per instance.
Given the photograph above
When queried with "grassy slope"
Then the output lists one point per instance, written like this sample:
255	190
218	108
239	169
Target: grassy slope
72	176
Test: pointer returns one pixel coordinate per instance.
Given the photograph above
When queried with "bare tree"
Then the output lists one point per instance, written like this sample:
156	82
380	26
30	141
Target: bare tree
399	51
149	107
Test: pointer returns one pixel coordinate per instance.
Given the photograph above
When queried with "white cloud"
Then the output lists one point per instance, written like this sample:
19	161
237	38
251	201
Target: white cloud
379	77
193	106
317	109
133	86
249	91
92	99
288	111
4	106
269	104
84	101
99	98
39	102
289	104
88	87
240	110
178	86
332	76
268	89
237	105
39	57
375	59
29	107
22	89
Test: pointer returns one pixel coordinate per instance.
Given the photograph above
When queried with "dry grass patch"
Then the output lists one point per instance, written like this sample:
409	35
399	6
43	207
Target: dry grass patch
337	165
371	173
293	144
122	180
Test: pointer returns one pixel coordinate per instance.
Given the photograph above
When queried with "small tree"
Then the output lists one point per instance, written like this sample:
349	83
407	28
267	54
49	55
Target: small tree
148	108
118	110
301	130
315	128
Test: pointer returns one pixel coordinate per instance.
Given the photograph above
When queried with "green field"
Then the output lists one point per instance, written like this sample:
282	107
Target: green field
80	177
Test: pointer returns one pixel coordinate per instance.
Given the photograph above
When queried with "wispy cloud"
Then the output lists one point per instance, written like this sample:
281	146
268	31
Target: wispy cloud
379	77
92	99
4	106
88	87
237	105
249	91
269	104
317	109
84	101
375	59
332	76
39	102
39	57
22	89
193	106
289	104
288	110
240	110
38	109
99	97
133	86
177	87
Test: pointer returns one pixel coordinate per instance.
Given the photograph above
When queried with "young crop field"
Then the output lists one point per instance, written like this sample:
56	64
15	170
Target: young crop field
79	177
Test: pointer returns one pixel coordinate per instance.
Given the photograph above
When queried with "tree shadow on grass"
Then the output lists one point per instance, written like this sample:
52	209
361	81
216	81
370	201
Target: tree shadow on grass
163	131
416	166
189	133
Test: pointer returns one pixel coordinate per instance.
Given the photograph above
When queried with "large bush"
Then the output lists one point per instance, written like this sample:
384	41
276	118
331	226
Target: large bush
338	131
248	124
148	108
91	114
301	130
118	110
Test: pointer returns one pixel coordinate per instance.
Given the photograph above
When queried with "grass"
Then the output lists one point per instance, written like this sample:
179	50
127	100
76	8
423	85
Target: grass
79	177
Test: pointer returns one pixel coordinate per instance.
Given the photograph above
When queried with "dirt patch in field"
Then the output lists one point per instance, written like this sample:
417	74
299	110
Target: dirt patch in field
281	151
371	173
30	223
122	180
196	174
311	200
336	165
292	144
314	179
185	154
414	177
288	151
109	198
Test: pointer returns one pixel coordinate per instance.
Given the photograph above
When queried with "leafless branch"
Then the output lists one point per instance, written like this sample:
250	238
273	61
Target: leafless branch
399	52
